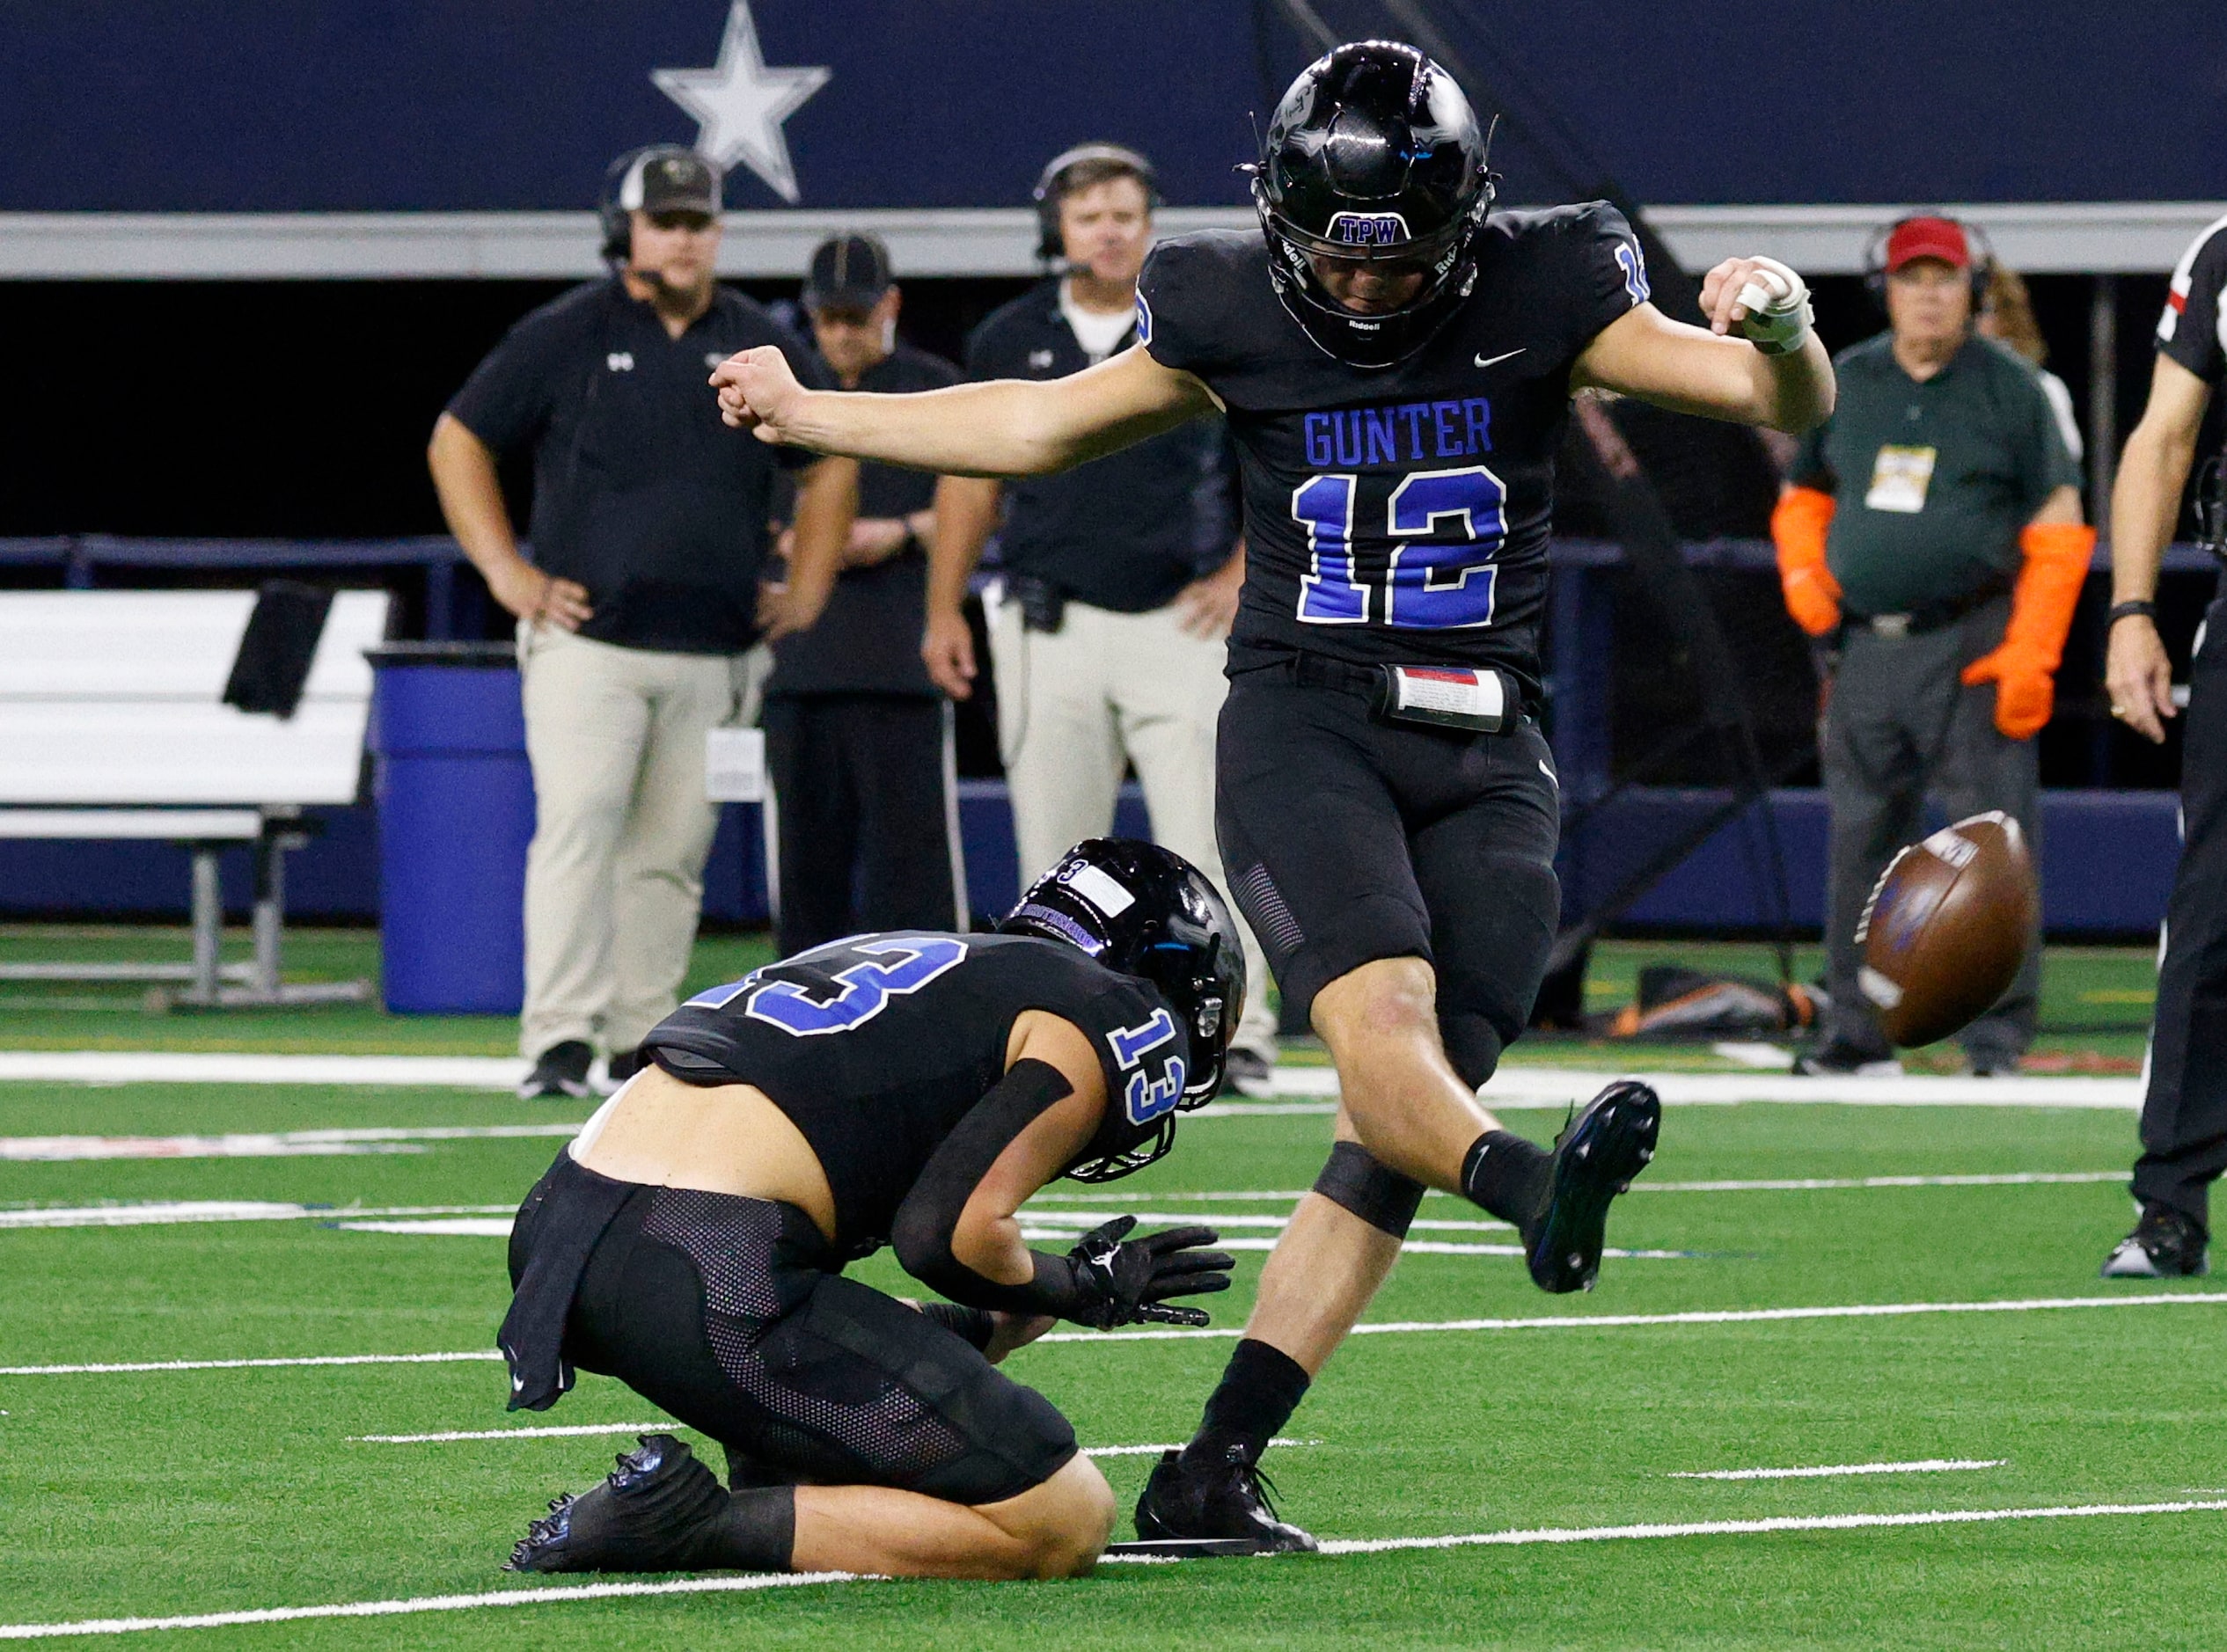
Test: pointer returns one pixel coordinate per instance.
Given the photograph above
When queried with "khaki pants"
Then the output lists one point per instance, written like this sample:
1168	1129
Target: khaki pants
1076	706
615	876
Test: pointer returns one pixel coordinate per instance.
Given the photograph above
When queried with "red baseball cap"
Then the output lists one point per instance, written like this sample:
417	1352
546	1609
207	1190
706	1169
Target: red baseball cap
1928	237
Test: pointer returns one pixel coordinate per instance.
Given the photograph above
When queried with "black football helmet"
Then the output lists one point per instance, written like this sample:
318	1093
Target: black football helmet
1374	155
1145	911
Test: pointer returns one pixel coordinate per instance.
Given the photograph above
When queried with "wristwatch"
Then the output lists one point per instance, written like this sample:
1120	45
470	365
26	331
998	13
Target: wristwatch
2127	610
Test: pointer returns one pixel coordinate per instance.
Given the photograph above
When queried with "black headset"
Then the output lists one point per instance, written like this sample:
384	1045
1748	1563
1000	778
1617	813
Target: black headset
612	211
1048	190
1982	252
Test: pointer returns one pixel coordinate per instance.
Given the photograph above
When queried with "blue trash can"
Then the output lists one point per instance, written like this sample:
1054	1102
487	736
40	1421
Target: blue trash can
455	813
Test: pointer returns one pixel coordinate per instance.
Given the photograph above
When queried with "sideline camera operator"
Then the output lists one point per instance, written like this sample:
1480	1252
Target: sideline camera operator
638	614
2184	1115
1933	526
857	737
1121	579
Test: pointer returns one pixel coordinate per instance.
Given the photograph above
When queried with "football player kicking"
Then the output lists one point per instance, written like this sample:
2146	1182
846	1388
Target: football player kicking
911	1089
1396	365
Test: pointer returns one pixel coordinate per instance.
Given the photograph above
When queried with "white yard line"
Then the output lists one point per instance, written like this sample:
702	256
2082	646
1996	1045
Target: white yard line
440	1227
1366	1545
452	1435
449	1435
1709	1316
465	1356
122	1066
1568	1321
1829	1184
1780	1523
424	1603
1801	1184
262	1144
1929	1465
158	1212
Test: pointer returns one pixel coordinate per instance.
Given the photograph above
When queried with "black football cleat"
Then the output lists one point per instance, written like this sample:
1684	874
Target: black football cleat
653	1513
2165	1244
1594	1159
1226	1501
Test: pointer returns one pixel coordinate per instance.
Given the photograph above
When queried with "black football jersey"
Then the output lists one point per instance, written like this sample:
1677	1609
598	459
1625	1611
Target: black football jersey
876	1046
1397	515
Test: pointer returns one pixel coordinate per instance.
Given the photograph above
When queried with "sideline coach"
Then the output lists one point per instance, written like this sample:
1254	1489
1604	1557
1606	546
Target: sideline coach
2184	1114
642	604
858	740
1933	527
1108	632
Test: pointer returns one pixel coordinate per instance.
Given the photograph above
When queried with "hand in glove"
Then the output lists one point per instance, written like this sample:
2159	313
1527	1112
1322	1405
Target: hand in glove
1121	1280
2024	667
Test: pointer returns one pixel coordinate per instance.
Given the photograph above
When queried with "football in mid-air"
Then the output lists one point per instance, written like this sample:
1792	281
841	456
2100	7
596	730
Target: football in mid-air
1947	927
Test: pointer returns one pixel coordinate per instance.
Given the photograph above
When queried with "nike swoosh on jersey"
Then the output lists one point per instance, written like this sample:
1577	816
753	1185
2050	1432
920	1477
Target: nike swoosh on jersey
1487	360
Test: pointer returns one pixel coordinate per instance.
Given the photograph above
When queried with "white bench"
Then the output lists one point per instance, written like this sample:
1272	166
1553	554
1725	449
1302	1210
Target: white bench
113	725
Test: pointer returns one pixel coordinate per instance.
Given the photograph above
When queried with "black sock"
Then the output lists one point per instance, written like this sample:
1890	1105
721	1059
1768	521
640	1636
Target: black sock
1507	1176
1256	1396
756	1532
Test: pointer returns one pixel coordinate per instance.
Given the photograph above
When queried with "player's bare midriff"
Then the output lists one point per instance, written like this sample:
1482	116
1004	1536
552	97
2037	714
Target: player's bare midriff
733	1138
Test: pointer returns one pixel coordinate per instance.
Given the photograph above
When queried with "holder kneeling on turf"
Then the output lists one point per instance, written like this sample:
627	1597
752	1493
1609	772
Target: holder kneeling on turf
911	1089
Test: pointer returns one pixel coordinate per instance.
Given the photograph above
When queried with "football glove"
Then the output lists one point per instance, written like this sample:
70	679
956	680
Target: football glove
1121	1280
1777	300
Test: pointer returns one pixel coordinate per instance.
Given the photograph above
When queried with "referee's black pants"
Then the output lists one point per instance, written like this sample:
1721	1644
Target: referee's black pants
866	816
2184	1116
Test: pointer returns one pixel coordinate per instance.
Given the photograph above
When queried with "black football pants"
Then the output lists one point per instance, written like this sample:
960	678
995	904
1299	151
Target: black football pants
1349	840
866	822
2184	1116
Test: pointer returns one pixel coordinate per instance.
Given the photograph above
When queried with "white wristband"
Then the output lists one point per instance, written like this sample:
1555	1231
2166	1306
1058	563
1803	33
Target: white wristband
1778	309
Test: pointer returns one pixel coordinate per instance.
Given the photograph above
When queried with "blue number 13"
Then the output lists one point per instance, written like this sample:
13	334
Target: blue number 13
1431	582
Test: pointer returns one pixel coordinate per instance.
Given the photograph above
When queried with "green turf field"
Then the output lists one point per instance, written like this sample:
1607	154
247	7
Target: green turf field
132	1494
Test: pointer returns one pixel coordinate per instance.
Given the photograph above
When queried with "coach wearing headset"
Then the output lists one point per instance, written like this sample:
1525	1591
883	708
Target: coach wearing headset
1931	535
640	614
1120	576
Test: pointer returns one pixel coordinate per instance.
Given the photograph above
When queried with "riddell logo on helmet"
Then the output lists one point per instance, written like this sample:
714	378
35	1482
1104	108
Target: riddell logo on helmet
1367	228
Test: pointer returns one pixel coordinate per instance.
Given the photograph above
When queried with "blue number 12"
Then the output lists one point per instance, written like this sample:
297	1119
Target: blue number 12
1431	583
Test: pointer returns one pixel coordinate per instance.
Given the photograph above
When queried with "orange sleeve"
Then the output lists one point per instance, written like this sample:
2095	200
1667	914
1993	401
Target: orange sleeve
1798	526
2057	554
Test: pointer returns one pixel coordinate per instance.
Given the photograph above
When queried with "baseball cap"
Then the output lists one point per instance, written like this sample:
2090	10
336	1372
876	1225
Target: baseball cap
849	272
1928	237
669	179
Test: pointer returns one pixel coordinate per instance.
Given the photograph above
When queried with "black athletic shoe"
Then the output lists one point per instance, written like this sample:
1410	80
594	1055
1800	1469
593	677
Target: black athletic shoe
1594	1159
625	1064
1838	1057
1228	1499
647	1515
1247	1072
2165	1244
560	1069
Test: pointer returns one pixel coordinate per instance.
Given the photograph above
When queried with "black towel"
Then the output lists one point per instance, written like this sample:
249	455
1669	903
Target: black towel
277	648
557	1227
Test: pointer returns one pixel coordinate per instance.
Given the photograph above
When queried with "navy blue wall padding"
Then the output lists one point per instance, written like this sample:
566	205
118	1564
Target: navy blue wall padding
310	105
2106	868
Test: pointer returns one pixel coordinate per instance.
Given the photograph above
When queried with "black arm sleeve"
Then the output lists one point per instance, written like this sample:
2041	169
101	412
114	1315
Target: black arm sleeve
921	1233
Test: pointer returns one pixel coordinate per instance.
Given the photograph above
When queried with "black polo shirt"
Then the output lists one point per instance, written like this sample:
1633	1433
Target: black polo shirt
1126	531
868	641
640	492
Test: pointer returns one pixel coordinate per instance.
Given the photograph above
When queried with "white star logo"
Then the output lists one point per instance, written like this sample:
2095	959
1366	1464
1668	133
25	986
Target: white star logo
739	103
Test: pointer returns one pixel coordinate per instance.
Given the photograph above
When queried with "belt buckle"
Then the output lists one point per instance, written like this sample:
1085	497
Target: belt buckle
1890	625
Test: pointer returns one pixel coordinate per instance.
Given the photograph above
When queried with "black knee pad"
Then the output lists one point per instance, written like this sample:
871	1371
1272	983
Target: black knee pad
1384	1199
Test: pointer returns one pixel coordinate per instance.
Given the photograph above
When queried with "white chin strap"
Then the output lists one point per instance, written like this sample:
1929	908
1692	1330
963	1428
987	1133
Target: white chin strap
1778	309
